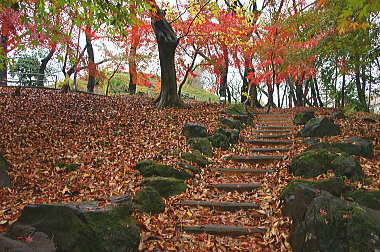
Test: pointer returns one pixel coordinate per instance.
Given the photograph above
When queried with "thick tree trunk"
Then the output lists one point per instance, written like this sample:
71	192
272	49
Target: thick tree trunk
244	88
299	96
167	43
3	60
254	101
318	93
42	69
270	103
91	65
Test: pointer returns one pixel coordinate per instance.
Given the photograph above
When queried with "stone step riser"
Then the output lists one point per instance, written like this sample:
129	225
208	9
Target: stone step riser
270	149
240	171
222	230
254	159
235	187
221	205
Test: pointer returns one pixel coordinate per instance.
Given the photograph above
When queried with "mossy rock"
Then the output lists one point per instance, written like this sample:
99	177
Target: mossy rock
332	224
148	200
144	163
236	109
196	157
190	167
219	140
320	127
166	187
4	177
202	144
369	199
232	136
312	163
78	230
231	123
346	165
159	170
303	117
335	186
68	167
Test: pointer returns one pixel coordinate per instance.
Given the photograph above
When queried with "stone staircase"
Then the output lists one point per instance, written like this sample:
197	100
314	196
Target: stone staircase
271	129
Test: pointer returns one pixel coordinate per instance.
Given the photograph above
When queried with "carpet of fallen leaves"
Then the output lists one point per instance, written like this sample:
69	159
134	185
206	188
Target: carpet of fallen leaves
108	135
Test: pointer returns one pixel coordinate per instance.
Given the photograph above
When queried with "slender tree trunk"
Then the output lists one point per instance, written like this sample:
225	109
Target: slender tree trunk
43	65
278	96
318	93
132	58
3	60
343	90
313	94
189	69
359	88
91	65
283	96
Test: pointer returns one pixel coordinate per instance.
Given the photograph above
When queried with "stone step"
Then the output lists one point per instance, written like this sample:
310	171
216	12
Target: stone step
221	205
275	127
263	142
272	114
235	187
253	159
273	136
228	230
269	149
269	119
242	170
272	130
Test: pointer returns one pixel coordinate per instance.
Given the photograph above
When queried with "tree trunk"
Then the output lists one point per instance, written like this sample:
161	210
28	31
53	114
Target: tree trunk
299	96
254	101
318	93
167	43
3	60
359	88
91	65
41	70
343	90
244	88
270	103
132	57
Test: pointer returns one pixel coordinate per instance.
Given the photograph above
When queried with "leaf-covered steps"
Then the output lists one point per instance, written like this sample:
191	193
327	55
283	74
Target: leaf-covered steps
221	205
253	159
270	149
242	170
263	142
229	230
235	187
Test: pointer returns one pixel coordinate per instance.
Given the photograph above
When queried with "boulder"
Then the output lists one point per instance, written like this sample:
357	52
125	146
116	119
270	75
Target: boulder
231	123
149	169
243	118
320	127
191	130
352	146
311	140
4	177
338	115
370	199
312	163
87	226
232	135
303	117
29	240
68	167
166	187
196	157
189	167
346	165
323	222
220	141
235	109
356	146
335	186
148	200
369	120
202	144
